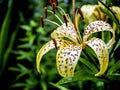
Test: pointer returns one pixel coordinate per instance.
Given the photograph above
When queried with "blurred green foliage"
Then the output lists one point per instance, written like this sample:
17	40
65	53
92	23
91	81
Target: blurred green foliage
29	39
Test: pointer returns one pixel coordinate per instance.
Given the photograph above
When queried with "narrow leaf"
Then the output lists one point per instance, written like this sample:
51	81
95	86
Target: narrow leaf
89	64
58	86
81	75
114	68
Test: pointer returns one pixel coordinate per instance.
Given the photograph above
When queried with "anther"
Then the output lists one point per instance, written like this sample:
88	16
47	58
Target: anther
50	1
65	19
41	21
54	7
53	3
80	12
55	43
45	10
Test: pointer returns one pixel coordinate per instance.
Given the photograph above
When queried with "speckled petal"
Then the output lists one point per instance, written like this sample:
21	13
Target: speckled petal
101	51
98	26
65	31
67	58
47	47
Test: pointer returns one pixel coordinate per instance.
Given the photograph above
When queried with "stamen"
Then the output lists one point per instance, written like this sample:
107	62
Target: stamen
41	21
80	12
50	1
105	18
52	22
100	17
68	18
55	43
61	9
79	36
53	3
54	7
55	16
56	1
65	19
45	10
94	14
73	9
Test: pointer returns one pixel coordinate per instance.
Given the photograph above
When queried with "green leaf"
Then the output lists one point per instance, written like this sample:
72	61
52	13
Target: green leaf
81	75
26	45
58	86
4	31
5	52
114	68
14	69
26	27
22	74
40	30
22	68
9	49
110	15
115	74
24	55
18	85
43	85
33	23
90	65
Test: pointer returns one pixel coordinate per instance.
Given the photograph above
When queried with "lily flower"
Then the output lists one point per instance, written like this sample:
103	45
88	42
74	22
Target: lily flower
93	12
67	39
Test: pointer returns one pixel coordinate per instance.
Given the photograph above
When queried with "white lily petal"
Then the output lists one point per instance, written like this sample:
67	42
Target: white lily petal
67	58
98	26
47	47
65	31
101	51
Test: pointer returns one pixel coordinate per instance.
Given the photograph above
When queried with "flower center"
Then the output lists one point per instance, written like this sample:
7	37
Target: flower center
83	45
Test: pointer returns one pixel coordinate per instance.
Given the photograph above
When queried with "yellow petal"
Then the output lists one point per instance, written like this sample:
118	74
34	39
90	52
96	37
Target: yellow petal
98	26
91	13
101	51
116	11
87	11
65	31
47	47
67	58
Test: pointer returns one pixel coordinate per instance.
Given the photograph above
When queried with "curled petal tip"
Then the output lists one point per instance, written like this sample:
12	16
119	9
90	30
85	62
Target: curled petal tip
47	47
98	74
100	48
38	69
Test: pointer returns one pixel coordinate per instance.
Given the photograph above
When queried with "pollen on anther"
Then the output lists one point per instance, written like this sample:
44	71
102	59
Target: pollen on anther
65	19
41	21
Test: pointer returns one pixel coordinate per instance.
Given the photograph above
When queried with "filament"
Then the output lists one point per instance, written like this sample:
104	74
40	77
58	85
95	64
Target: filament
56	16
52	22
61	9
